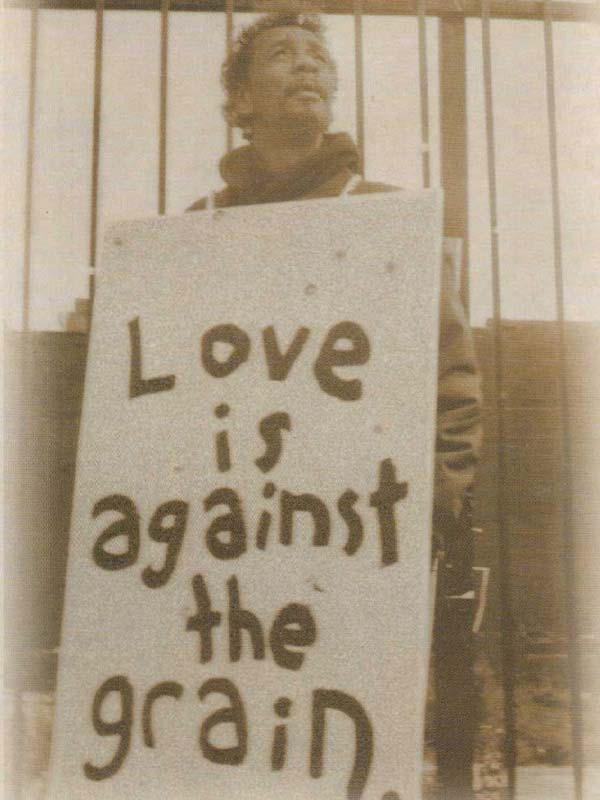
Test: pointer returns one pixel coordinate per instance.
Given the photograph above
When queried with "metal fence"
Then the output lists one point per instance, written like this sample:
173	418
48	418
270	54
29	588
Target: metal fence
452	20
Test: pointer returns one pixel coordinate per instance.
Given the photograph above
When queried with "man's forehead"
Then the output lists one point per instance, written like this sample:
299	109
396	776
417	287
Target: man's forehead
287	33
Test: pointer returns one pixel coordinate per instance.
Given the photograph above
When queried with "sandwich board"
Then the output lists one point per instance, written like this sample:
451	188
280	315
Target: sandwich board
246	612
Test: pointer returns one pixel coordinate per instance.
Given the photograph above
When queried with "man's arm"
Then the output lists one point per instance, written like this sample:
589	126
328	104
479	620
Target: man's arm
458	407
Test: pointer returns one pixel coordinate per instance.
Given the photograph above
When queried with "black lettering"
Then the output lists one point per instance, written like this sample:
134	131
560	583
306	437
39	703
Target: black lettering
279	747
294	625
138	385
352	520
223	452
264	522
232	522
324	699
233	714
270	429
262	532
230	335
388	493
164	689
171	535
331	356
128	527
204	620
290	503
120	727
278	363
240	618
222	441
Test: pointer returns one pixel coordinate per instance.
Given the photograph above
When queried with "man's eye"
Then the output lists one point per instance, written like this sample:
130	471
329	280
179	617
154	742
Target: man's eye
320	56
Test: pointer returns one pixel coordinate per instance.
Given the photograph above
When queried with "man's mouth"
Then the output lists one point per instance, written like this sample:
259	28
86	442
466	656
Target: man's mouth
307	92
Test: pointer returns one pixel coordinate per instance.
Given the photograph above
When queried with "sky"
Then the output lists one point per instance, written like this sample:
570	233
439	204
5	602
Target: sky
196	140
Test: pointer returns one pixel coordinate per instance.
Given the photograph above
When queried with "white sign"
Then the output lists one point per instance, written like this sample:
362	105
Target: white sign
247	607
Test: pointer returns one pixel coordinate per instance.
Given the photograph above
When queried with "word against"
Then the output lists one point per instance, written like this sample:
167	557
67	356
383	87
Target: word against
226	536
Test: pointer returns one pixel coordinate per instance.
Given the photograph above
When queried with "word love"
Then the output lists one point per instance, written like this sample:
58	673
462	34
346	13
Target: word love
224	348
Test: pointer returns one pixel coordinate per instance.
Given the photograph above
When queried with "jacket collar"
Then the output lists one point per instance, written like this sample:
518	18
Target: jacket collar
249	182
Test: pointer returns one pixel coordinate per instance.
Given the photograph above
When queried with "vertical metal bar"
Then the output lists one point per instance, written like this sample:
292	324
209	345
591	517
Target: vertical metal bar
33	59
453	651
453	131
98	53
568	529
162	133
424	92
359	83
508	658
19	746
229	11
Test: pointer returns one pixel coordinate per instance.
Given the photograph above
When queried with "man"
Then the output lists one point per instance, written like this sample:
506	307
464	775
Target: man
280	81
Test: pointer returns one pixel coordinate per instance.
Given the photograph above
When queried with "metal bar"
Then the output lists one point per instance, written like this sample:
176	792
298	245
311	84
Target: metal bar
229	11
359	82
453	650
568	530
506	617
424	93
453	133
560	10
98	53
33	59
164	87
19	745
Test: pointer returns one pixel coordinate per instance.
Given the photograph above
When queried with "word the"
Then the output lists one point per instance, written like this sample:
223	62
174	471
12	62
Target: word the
294	626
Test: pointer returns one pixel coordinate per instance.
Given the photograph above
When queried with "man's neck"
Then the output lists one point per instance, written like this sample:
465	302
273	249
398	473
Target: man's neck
280	152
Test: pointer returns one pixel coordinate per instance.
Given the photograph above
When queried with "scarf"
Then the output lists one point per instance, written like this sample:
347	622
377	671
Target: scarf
248	182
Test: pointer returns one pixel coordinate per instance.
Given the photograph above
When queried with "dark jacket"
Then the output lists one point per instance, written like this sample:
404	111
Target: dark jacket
326	174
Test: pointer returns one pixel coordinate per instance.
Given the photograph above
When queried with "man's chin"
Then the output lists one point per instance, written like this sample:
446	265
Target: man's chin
301	127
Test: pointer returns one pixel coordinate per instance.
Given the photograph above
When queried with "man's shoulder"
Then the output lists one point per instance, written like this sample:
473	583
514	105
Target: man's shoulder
373	187
199	205
217	199
332	188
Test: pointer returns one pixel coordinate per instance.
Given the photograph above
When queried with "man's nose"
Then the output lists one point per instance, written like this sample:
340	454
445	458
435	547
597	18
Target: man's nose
305	61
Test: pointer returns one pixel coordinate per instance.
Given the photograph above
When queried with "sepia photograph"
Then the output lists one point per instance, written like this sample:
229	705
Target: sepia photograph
301	392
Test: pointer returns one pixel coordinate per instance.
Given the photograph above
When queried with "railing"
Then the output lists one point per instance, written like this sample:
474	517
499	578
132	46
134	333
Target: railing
452	17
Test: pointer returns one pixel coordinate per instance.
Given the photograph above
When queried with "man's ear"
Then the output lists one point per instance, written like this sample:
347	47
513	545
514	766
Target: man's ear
243	103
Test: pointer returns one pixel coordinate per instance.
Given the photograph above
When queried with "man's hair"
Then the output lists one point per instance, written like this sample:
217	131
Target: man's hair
235	70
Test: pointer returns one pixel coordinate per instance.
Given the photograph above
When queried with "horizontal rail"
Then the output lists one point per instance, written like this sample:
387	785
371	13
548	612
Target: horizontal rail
559	11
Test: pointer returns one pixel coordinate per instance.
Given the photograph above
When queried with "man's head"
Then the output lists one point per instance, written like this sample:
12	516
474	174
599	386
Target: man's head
280	76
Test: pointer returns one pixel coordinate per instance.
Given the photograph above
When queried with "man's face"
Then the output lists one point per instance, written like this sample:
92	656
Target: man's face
291	81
